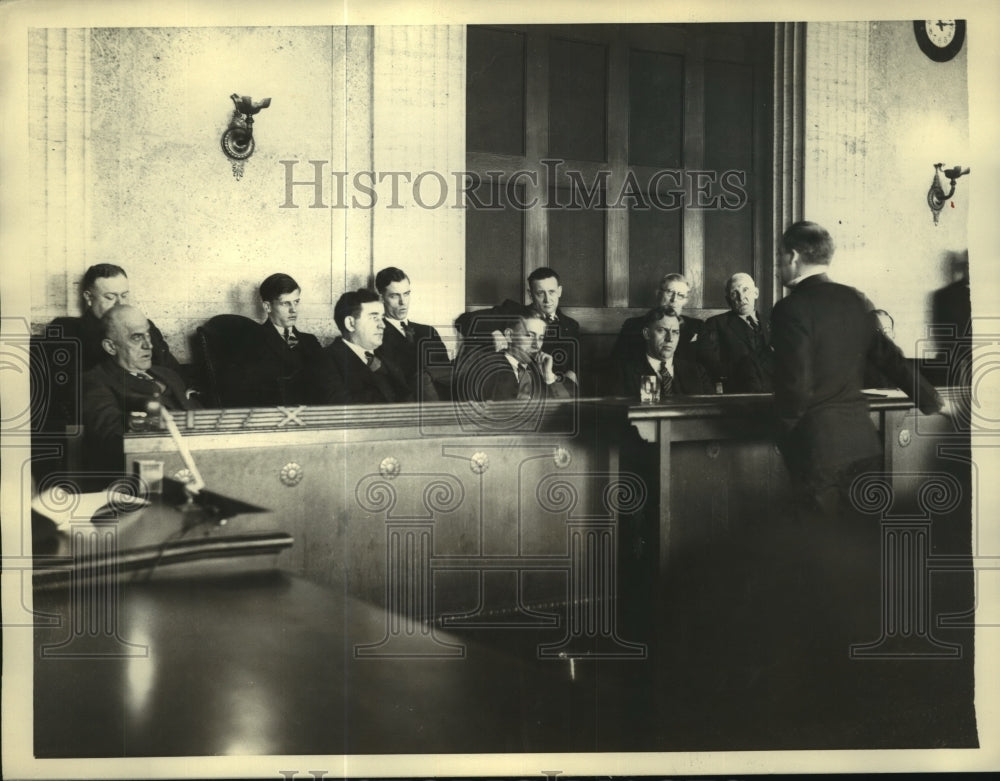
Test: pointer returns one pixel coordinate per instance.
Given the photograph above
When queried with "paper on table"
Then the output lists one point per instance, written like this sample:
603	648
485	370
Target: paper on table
63	507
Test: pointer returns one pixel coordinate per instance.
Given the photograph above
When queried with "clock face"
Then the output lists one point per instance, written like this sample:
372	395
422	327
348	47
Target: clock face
940	39
940	32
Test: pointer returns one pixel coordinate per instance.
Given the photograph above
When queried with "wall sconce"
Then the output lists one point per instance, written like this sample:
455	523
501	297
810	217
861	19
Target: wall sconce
936	196
237	141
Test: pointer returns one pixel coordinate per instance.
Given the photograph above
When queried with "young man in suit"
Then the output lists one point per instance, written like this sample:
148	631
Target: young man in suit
104	286
278	361
823	335
416	349
126	381
734	347
661	332
522	370
349	371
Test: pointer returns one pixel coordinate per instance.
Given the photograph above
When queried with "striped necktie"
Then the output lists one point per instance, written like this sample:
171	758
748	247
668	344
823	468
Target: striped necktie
666	381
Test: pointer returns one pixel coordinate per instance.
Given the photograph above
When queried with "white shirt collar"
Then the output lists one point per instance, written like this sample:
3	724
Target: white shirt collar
514	363
397	323
654	363
358	350
805	274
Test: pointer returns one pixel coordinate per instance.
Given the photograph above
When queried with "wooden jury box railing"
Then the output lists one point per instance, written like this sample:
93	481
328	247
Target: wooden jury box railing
504	514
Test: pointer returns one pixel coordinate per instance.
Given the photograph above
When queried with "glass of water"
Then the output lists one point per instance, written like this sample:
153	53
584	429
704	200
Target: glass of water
649	389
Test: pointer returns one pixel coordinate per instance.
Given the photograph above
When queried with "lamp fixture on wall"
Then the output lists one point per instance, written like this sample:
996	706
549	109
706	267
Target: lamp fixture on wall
936	196
237	141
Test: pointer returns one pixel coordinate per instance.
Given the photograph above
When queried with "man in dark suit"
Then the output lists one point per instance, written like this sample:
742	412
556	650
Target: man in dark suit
823	334
562	332
522	370
348	371
104	286
673	292
734	347
482	330
661	331
278	361
125	382
416	349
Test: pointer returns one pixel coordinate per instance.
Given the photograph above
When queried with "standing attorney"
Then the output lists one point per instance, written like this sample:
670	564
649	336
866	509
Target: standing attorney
823	337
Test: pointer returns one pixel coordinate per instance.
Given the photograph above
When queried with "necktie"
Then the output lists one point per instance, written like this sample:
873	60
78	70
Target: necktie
143	376
291	339
754	325
408	331
520	371
373	363
666	381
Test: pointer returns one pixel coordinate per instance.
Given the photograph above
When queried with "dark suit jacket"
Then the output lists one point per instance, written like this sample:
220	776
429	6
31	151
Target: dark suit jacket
344	378
109	394
630	342
688	377
562	342
274	374
730	350
562	338
88	330
424	362
823	336
492	378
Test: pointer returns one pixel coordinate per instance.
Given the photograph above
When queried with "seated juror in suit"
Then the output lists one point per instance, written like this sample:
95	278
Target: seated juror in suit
562	332
734	347
279	362
105	285
522	370
125	381
661	333
673	292
348	371
416	349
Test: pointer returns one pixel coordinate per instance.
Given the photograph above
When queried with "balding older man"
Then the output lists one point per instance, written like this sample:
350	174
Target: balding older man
734	347
125	382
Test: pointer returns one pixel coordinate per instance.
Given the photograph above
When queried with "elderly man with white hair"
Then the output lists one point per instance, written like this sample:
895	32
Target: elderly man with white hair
734	347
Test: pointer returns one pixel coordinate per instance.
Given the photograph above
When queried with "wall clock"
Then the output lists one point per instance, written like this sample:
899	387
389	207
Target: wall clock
940	39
